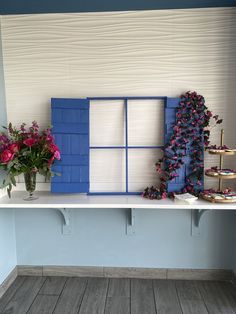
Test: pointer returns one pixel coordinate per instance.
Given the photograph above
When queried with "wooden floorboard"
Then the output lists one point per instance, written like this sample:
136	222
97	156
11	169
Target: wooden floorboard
43	304
117	305
94	299
119	288
142	297
166	297
24	296
215	298
53	286
71	296
10	292
229	291
190	298
118	297
68	295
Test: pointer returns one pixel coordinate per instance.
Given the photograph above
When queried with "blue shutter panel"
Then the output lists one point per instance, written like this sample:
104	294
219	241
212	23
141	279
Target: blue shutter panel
170	118
70	120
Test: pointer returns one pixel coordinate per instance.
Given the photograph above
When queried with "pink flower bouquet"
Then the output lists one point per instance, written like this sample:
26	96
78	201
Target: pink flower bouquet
26	151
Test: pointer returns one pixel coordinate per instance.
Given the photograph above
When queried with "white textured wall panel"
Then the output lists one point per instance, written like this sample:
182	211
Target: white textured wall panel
107	127
164	52
145	122
142	170
107	170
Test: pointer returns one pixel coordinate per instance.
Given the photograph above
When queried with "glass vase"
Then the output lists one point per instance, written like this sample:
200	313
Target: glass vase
30	185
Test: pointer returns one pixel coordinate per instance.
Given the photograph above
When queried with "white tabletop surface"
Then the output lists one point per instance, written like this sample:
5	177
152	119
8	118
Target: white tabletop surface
50	200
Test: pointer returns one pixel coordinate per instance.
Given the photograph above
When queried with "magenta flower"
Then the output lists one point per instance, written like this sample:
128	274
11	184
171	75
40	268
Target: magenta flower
16	144
53	148
6	156
29	142
14	147
57	155
188	135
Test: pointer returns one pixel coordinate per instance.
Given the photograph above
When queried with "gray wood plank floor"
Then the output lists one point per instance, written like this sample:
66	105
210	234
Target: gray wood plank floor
61	295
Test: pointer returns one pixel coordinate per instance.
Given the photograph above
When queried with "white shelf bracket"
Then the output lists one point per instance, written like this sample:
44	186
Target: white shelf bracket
130	226
66	227
195	221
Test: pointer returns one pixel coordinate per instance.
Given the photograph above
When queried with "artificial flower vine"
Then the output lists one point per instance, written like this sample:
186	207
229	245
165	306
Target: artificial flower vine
190	133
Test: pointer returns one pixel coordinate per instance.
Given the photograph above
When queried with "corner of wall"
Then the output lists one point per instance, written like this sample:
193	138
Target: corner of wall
234	252
8	260
3	116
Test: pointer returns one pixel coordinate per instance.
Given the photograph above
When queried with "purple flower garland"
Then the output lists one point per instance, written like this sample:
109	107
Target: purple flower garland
189	131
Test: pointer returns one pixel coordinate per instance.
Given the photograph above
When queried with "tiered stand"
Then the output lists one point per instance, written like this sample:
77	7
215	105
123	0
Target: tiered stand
220	177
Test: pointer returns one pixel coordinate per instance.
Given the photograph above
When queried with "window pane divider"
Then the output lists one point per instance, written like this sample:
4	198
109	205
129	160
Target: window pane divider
128	98
124	147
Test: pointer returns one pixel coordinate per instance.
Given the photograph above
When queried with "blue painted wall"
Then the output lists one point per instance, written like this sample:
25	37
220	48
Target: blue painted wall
163	239
7	243
7	219
57	6
234	248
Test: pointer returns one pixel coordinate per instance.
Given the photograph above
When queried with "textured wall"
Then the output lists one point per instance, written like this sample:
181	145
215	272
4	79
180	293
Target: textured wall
7	220
3	115
127	53
56	6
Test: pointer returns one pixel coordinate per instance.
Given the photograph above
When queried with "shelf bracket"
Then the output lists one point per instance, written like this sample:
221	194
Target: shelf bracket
195	221
130	226
66	214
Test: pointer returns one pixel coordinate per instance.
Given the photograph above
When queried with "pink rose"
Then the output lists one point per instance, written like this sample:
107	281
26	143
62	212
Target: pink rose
6	156
164	195
49	138
14	148
57	155
29	142
51	160
53	148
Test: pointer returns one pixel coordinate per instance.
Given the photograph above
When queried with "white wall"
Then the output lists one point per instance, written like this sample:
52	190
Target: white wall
124	53
7	219
163	52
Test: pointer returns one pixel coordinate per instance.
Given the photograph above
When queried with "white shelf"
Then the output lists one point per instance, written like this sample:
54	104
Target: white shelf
65	202
52	200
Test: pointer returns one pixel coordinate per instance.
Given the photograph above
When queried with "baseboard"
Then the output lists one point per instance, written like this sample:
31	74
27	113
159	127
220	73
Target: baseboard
199	274
118	272
8	281
27	270
126	272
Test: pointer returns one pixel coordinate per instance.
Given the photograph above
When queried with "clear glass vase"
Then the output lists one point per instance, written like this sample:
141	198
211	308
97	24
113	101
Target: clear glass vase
30	185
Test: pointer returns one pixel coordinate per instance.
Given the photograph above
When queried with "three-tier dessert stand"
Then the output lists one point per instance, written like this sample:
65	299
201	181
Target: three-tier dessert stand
221	174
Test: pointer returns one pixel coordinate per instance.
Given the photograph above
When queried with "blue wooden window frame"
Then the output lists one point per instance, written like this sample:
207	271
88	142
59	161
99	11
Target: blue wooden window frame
126	147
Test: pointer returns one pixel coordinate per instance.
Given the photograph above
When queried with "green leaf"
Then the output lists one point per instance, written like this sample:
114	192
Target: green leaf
9	190
13	180
10	164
